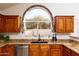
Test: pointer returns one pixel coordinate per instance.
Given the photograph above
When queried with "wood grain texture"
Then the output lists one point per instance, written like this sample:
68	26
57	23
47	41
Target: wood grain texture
1	23
45	50
9	23
64	24
7	50
12	24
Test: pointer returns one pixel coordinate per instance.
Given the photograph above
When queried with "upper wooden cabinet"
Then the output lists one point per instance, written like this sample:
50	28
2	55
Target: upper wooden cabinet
1	23
64	24
70	24
12	23
9	23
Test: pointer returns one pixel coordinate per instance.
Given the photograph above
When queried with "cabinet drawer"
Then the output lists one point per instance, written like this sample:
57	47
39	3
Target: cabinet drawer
56	52
45	46
33	46
56	46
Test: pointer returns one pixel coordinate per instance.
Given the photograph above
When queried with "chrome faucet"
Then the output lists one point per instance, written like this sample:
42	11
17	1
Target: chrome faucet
39	38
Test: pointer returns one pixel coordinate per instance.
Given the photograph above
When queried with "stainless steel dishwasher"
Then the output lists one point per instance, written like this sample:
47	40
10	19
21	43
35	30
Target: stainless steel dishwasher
22	50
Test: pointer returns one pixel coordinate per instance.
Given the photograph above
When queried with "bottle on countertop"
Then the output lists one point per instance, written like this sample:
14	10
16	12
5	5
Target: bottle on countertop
54	38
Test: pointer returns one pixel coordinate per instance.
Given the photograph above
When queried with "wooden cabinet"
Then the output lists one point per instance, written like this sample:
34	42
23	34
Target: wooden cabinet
60	24
56	50
1	23
9	23
34	50
70	24
50	50
66	51
44	50
69	52
12	23
64	24
39	50
7	50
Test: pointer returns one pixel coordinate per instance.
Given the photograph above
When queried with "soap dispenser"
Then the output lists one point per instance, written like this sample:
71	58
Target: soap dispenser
54	38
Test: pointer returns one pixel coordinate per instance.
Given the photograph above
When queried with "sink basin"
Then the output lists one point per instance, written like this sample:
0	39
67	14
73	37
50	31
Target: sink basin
39	42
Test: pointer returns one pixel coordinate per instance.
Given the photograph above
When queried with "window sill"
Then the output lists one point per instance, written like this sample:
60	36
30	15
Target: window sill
37	38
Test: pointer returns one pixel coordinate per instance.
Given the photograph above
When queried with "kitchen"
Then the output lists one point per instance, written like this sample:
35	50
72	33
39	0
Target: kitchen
43	29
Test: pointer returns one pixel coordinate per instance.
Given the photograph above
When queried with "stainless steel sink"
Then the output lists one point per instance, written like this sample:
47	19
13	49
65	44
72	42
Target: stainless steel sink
39	42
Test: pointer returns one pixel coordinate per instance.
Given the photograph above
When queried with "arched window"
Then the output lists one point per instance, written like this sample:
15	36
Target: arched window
37	19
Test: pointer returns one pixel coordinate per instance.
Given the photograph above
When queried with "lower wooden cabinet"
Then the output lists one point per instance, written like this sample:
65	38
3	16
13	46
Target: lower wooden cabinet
7	50
39	50
69	52
50	50
56	50
45	50
66	51
34	50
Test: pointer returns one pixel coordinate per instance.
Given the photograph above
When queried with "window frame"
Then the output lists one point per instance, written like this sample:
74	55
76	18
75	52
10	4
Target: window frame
39	6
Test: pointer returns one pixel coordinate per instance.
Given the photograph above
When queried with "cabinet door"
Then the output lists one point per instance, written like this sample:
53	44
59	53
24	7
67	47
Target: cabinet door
1	23
7	50
1	51
34	50
12	23
11	50
56	52
70	24
66	51
45	50
60	24
64	24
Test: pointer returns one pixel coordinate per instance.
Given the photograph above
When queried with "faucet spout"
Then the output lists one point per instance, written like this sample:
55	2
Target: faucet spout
39	38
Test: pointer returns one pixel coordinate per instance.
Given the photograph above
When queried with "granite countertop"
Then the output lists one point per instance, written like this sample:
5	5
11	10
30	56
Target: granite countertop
74	36
73	45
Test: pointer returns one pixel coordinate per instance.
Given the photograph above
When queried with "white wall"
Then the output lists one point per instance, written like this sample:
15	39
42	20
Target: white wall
55	8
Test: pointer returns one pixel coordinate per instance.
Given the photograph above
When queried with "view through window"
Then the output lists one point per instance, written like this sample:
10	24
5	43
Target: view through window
37	20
